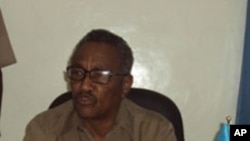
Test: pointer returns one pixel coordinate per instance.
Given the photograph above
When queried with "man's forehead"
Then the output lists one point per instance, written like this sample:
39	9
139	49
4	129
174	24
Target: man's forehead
100	54
96	49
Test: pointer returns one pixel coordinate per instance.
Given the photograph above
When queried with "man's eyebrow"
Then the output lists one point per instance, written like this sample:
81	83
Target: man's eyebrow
76	65
96	67
99	68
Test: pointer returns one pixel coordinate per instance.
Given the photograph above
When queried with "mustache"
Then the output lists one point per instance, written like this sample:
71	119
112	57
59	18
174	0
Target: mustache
85	95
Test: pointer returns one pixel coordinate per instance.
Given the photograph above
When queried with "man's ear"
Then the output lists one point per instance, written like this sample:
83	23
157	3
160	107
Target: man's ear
126	85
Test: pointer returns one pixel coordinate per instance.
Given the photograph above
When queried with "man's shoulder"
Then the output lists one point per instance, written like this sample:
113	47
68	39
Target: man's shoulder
151	124
141	114
53	122
55	116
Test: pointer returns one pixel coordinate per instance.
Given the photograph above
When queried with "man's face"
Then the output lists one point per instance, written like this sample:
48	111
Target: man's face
94	100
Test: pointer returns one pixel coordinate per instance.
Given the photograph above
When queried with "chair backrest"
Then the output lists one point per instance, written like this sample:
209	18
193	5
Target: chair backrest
148	99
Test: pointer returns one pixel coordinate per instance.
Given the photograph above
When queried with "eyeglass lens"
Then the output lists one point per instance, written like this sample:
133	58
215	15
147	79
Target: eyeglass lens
98	76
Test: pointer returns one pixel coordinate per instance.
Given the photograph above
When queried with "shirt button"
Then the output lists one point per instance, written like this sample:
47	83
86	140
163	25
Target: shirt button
79	129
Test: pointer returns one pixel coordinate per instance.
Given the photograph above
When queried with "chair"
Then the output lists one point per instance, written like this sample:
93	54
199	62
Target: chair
148	99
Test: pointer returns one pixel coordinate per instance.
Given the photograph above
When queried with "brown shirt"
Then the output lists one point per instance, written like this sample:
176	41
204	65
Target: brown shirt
134	123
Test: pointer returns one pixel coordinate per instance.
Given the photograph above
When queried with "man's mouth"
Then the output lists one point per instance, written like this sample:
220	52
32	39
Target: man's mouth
85	99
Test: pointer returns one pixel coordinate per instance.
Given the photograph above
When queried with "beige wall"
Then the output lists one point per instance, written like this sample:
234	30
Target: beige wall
189	50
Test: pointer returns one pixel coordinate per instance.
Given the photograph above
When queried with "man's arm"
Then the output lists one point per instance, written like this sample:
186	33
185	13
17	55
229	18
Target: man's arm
36	132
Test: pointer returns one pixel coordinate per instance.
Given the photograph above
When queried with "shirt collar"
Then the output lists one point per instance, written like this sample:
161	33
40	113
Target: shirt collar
123	120
124	117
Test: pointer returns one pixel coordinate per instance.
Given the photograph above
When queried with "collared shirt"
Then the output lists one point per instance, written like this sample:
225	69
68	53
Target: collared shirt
133	123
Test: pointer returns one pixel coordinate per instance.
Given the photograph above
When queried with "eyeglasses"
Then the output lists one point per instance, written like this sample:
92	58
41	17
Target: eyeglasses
97	76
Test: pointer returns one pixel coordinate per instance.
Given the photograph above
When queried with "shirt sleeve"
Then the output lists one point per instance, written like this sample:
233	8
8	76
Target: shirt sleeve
36	132
168	134
39	129
158	130
165	132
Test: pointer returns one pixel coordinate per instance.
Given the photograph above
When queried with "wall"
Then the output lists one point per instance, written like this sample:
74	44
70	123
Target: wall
189	50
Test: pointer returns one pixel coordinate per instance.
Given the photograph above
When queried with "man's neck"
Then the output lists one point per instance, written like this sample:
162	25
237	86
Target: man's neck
99	127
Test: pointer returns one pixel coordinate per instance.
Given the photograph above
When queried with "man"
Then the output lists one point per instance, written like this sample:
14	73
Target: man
100	79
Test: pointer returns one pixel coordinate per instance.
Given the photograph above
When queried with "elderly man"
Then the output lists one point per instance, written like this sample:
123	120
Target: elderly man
99	75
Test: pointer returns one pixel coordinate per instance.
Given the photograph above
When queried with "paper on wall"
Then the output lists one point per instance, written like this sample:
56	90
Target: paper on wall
7	56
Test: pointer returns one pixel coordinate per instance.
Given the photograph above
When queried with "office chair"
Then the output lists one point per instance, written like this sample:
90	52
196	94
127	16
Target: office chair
148	99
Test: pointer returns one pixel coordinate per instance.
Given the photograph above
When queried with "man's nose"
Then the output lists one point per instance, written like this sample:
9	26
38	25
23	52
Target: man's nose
86	83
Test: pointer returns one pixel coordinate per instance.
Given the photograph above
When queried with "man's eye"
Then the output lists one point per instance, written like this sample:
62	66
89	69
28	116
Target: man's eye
96	74
76	72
